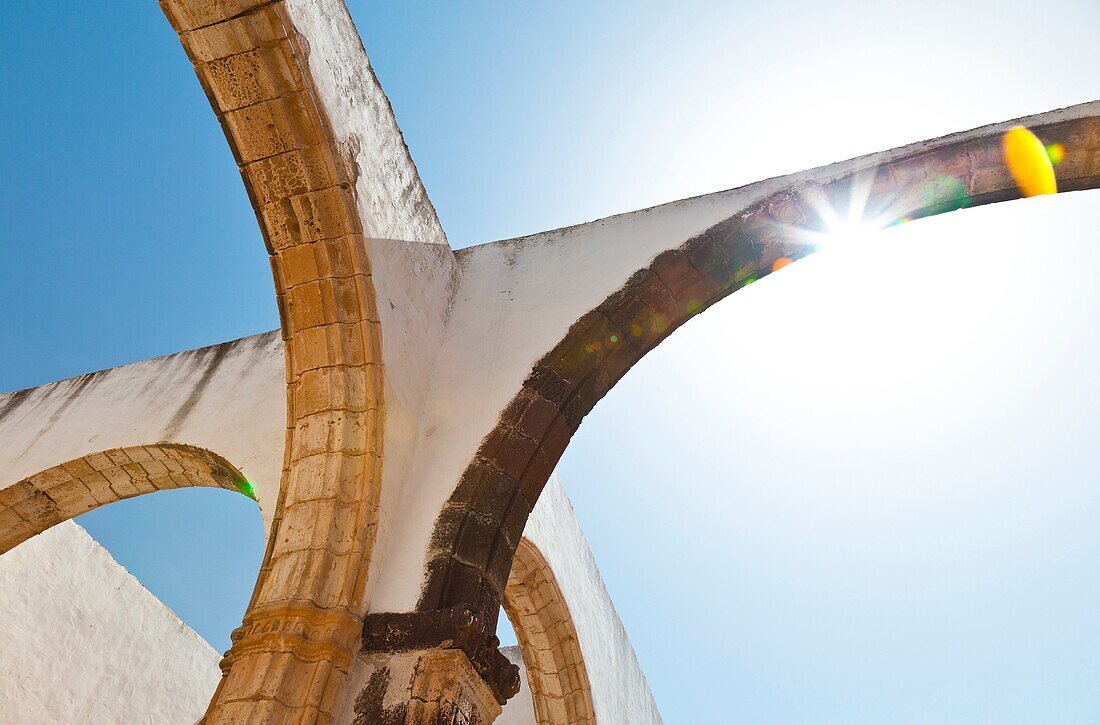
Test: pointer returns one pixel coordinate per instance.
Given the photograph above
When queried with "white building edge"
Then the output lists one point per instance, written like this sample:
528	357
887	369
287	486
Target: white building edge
81	640
471	370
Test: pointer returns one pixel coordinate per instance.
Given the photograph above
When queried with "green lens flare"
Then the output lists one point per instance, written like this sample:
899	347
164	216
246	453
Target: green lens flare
246	487
946	193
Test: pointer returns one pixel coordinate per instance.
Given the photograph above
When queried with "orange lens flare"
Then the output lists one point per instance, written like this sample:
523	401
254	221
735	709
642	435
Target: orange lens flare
781	263
1027	159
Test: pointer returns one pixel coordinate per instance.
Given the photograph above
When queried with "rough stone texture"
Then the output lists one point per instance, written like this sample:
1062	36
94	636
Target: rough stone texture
413	269
433	687
467	629
264	68
62	492
81	641
548	640
573	641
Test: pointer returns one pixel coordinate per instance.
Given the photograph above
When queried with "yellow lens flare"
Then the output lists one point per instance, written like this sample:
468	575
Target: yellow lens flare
1029	162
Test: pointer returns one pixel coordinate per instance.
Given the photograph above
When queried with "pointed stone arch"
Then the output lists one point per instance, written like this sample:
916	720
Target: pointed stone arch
548	640
478	530
291	655
59	493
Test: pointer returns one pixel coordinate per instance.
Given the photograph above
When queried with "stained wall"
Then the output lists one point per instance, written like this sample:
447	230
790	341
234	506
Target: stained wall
228	398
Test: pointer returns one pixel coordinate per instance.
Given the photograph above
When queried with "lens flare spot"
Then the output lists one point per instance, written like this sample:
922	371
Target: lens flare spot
245	486
1056	152
1027	159
781	263
743	273
614	339
946	193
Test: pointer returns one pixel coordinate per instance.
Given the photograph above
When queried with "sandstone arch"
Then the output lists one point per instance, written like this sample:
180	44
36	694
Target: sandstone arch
548	640
32	505
479	528
292	652
336	198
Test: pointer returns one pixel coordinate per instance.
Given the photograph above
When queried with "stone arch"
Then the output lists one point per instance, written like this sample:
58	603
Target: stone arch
291	655
64	491
479	528
548	641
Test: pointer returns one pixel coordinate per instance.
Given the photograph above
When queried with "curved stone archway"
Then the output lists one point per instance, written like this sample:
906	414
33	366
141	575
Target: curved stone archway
333	190
34	504
479	528
291	655
548	641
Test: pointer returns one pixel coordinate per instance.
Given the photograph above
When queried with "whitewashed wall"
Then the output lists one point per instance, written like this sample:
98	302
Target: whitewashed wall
228	398
82	641
412	267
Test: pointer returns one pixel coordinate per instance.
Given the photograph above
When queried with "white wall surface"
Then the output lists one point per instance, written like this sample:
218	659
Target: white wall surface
520	710
227	398
81	641
517	299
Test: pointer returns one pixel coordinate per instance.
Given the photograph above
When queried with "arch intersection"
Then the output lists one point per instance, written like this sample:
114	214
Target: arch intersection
397	589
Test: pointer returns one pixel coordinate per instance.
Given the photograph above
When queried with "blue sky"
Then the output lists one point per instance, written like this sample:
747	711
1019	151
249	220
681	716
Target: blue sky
863	490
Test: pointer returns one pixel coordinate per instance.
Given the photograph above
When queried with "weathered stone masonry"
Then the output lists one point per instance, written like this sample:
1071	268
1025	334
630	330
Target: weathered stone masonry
67	490
428	395
477	533
556	673
292	653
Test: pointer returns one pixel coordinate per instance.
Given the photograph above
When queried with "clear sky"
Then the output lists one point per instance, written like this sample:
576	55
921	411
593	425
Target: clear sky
863	490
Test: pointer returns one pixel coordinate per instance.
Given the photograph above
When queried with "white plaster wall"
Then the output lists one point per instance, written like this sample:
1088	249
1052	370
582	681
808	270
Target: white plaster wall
81	641
228	398
517	299
620	692
413	269
520	710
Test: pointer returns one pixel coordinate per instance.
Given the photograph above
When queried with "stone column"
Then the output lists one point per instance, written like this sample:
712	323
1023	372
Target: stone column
441	667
